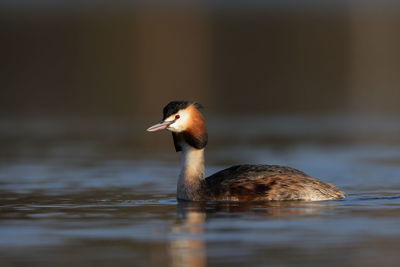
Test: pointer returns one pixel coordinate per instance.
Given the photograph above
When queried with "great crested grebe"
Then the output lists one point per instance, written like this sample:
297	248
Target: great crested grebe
237	183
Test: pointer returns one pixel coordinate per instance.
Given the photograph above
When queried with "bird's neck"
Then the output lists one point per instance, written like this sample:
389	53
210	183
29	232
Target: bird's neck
192	173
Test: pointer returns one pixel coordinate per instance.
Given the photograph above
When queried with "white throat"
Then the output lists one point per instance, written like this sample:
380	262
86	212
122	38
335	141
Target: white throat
192	173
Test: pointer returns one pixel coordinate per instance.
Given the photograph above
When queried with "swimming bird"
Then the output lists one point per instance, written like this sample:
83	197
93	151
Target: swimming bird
237	183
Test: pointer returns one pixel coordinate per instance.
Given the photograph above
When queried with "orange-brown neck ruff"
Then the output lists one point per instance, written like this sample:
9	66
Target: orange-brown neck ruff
195	134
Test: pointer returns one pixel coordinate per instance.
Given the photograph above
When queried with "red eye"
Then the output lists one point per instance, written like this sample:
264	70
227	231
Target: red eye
177	117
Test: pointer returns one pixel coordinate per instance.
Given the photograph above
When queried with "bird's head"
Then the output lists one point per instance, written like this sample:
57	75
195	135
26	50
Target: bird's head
185	121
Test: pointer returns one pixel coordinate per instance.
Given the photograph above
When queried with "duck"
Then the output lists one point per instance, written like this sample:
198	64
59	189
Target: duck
239	183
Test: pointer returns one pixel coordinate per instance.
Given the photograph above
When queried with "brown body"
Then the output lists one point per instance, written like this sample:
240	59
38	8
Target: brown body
237	183
266	182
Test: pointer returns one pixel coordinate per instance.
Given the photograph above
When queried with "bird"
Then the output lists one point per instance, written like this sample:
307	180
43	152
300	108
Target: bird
239	183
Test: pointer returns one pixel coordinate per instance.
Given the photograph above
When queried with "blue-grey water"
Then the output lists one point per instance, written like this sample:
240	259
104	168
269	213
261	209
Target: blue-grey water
101	192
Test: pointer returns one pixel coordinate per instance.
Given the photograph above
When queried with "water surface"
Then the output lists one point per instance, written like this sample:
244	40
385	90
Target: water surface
101	191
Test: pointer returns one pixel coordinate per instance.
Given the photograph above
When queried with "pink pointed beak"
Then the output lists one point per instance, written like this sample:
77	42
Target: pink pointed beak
160	126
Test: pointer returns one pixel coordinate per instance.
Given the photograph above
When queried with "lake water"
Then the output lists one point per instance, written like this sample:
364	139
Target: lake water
101	192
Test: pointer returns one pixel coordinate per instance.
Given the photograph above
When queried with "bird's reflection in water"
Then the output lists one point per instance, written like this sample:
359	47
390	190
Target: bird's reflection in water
188	247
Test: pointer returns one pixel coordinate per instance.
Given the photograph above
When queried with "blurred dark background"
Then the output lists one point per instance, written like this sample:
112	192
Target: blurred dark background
129	58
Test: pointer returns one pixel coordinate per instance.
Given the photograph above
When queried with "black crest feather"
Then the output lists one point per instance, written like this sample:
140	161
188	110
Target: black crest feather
174	106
